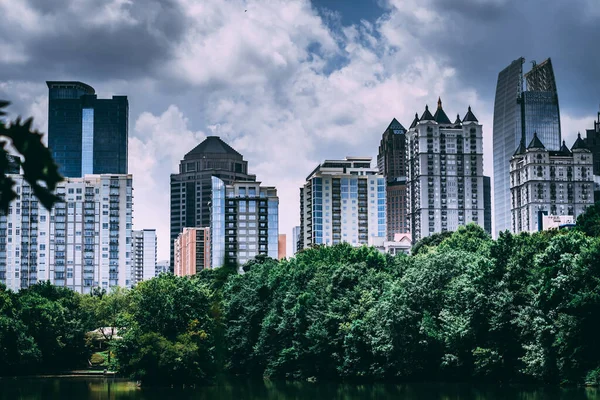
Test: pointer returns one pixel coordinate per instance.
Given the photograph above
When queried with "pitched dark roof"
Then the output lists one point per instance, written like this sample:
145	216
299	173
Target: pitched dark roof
564	149
458	121
579	143
536	143
396	125
427	115
415	121
521	149
212	145
440	116
469	116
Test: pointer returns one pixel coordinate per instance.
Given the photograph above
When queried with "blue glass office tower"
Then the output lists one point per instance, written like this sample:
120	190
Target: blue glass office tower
86	135
524	105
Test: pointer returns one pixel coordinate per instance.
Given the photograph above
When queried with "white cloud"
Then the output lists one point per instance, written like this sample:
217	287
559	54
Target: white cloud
155	148
284	89
277	103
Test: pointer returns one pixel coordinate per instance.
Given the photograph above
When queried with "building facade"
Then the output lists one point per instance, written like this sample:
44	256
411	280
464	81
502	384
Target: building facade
244	222
191	188
282	244
548	182
524	105
82	243
192	251
162	267
296	239
343	201
86	135
592	142
487	204
144	252
445	179
391	163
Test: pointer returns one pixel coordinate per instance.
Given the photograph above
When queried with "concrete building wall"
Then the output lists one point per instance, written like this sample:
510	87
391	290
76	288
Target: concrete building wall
82	243
192	251
282	246
343	201
144	255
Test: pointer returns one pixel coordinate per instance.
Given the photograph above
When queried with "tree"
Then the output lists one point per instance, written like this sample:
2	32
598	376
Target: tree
39	169
589	221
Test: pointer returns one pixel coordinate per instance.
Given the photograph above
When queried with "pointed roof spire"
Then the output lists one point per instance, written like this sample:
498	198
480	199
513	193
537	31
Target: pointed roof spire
579	143
536	143
415	121
440	116
427	115
395	125
211	145
469	116
458	121
521	149
564	149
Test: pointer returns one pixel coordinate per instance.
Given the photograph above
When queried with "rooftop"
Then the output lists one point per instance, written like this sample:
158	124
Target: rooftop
212	145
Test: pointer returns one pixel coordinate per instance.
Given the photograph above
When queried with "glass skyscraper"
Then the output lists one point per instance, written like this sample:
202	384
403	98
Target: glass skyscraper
191	188
520	110
86	135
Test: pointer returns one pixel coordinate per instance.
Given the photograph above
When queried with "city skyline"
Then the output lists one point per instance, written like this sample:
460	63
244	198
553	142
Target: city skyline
287	93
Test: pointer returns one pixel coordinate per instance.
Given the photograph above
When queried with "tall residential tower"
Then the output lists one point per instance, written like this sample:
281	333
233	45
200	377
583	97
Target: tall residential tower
342	201
391	162
524	105
446	186
86	135
191	188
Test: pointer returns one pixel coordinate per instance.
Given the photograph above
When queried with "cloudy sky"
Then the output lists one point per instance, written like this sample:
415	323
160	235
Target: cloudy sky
288	83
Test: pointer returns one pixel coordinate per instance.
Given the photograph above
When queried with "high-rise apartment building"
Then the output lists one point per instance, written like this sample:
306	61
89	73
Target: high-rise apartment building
391	162
342	201
524	105
86	135
144	251
82	243
548	182
445	173
191	187
244	222
192	251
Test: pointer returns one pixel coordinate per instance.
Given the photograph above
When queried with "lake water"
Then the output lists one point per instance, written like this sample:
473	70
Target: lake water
114	389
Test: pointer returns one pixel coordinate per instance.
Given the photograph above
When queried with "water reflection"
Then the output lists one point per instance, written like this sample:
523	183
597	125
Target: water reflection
234	389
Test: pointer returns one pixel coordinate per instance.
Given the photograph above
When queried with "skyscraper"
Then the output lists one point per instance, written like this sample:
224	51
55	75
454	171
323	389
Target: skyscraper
445	174
519	112
244	222
391	162
342	201
191	188
86	135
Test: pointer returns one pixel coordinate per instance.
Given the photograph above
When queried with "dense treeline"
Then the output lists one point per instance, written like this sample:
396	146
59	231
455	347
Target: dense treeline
521	308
